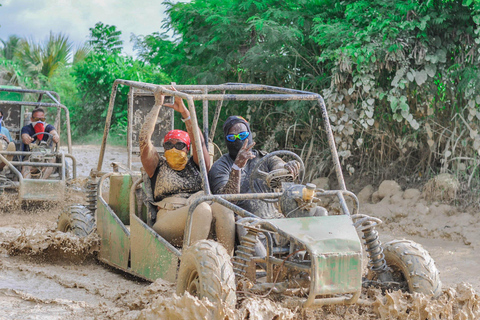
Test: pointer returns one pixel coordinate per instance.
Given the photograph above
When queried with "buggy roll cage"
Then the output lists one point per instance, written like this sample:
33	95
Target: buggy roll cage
29	188
39	104
220	93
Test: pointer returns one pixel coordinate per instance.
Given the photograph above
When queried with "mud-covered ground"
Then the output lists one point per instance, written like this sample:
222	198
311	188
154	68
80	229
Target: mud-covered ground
50	275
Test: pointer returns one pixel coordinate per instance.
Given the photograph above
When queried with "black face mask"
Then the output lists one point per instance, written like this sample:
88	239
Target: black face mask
235	146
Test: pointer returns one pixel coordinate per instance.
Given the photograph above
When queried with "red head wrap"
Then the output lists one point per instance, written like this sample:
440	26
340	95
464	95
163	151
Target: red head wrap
180	135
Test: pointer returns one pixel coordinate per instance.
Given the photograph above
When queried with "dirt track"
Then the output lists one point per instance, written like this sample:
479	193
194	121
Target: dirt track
49	275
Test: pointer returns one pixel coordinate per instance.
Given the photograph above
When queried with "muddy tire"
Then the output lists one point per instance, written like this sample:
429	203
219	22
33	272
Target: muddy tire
411	263
76	219
206	271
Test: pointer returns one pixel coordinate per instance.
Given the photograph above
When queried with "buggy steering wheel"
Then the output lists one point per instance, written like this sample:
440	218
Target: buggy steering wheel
273	179
54	147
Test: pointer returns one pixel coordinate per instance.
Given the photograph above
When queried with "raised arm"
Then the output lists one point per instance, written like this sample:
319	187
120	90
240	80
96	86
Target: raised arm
180	107
148	154
234	180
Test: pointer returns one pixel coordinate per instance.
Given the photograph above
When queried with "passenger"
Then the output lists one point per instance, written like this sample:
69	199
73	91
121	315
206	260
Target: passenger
175	178
231	173
6	143
37	125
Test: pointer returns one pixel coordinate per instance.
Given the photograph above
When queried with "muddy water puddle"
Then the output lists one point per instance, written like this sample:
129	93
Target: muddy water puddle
35	288
15	306
25	294
41	287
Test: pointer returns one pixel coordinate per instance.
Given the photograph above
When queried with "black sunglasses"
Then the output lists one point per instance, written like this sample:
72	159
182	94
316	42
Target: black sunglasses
179	145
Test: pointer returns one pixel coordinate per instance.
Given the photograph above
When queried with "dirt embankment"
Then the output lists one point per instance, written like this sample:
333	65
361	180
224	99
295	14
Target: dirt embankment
50	275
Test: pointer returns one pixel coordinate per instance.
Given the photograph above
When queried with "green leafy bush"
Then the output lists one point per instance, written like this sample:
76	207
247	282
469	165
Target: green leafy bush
400	78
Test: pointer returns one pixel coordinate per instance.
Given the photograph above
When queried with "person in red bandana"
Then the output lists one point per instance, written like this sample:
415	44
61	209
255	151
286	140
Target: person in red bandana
176	181
37	125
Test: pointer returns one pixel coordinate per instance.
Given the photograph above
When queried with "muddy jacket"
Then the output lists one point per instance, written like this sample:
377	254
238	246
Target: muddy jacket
31	131
167	182
220	173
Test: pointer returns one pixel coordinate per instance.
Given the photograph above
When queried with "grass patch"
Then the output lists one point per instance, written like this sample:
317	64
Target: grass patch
115	138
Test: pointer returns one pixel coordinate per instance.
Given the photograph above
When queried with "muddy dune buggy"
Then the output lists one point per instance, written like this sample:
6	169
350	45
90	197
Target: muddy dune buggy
44	156
317	257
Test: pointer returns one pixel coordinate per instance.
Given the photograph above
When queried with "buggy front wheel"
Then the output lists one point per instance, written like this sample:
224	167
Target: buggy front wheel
76	219
412	265
206	271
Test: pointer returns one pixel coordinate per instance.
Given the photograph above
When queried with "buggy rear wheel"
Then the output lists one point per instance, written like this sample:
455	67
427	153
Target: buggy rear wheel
411	263
206	271
76	219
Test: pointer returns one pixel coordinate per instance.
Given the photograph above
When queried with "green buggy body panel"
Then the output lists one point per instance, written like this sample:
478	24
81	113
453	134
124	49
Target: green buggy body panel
335	250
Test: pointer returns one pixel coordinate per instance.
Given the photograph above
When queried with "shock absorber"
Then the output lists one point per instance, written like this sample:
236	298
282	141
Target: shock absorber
373	245
92	194
245	252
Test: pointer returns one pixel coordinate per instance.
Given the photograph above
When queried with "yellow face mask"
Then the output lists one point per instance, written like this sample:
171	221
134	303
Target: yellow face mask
176	159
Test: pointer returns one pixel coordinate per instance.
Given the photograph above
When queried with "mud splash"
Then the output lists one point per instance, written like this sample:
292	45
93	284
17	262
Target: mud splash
189	307
8	202
54	244
459	303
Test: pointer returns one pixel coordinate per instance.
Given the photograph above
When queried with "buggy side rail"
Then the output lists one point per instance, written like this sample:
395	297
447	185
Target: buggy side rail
11	167
39	92
37	164
226	200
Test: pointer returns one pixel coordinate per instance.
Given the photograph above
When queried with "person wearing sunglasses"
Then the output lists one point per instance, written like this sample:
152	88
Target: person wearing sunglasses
38	125
176	181
230	174
6	143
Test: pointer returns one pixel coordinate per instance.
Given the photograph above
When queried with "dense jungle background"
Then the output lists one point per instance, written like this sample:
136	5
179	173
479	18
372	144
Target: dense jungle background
400	79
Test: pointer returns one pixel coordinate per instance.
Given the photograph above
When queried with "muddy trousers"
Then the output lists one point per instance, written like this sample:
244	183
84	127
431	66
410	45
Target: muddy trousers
170	224
4	146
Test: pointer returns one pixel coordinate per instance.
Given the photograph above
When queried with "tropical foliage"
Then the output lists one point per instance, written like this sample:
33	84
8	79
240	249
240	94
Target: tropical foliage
400	78
96	75
105	38
42	60
94	79
83	77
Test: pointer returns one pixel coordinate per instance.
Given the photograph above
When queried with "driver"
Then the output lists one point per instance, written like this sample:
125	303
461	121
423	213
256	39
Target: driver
230	174
37	125
6	143
176	179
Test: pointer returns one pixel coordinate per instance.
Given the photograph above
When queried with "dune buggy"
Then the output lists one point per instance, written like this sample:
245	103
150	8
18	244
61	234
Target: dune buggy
44	156
317	257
